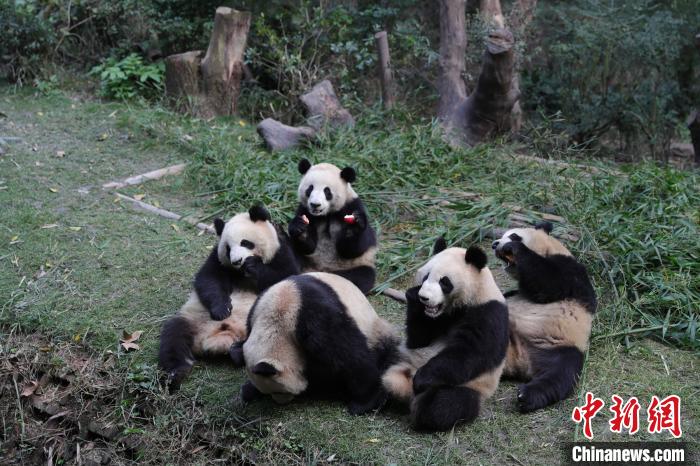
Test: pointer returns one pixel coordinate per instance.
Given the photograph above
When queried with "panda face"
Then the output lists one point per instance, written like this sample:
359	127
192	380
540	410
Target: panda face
242	238
453	278
323	190
536	239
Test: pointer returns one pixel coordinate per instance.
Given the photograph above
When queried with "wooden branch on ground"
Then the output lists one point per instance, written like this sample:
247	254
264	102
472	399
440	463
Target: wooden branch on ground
165	213
152	175
384	67
394	294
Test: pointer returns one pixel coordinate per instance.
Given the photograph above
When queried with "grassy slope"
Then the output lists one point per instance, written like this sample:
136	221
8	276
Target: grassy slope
126	270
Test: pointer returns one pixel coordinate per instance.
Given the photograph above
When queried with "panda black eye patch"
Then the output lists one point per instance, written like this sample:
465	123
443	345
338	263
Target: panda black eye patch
515	237
309	190
327	192
247	244
446	285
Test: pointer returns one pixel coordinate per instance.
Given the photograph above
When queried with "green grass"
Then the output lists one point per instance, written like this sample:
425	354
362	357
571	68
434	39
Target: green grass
128	270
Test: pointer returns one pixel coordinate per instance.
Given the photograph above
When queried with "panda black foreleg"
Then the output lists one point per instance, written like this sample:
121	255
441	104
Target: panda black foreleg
440	408
362	277
556	372
249	392
175	353
236	354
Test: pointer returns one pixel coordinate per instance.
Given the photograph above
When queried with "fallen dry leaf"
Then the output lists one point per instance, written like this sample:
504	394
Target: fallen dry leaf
53	190
49	225
128	340
175	227
103	137
60	153
74	228
138	197
40	273
373	440
198	449
30	388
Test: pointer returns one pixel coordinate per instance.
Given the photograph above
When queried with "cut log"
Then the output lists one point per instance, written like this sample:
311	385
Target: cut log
208	85
165	213
182	80
278	136
384	67
222	66
396	295
324	109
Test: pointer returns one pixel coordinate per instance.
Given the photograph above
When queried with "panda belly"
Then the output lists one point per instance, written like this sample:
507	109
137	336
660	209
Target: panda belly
215	337
543	327
325	257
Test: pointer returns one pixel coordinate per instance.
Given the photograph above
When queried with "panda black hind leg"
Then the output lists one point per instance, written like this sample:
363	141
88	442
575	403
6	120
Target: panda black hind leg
556	372
440	408
363	277
175	354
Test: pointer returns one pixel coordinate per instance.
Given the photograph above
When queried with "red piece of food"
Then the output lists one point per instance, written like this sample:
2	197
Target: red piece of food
305	219
349	219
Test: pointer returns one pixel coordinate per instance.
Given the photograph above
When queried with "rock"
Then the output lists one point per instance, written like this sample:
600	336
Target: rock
323	107
278	136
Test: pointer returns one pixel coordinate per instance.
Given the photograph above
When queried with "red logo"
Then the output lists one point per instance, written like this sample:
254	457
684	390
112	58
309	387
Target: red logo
587	412
665	415
626	416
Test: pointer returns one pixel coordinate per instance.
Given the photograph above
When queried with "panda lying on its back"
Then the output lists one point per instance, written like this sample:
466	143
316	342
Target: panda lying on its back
456	339
251	255
317	332
330	230
550	315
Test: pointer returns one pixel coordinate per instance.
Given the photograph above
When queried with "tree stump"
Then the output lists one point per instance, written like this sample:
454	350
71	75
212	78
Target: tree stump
323	110
209	86
384	67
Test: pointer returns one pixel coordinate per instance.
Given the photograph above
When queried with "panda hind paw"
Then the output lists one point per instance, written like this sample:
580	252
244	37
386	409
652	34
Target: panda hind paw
530	399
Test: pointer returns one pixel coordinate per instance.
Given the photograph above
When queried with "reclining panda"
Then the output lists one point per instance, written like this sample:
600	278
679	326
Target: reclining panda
330	231
317	334
456	339
251	255
550	315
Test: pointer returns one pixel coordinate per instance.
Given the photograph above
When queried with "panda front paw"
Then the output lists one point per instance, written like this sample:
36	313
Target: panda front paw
412	295
249	392
422	380
251	266
298	226
220	312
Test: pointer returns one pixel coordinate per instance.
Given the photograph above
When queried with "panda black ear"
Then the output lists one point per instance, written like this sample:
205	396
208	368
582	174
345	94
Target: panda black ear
440	245
546	226
348	174
304	166
219	226
476	257
264	368
258	213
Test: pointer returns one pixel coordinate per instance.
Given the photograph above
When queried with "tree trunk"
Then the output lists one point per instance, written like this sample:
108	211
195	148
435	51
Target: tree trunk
522	15
470	120
182	81
694	121
384	67
208	85
222	66
492	10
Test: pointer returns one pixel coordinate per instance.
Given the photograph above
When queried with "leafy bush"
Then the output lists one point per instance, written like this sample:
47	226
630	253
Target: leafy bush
613	69
26	41
130	77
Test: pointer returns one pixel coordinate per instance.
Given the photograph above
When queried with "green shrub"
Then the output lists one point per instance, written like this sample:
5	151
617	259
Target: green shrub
614	69
130	77
26	41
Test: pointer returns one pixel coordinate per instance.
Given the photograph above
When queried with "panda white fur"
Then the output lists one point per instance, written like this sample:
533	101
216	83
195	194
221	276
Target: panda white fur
550	315
330	230
316	333
251	255
456	339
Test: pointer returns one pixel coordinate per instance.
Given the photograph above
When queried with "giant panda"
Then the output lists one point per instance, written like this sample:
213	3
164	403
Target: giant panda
456	340
250	255
316	333
330	230
550	315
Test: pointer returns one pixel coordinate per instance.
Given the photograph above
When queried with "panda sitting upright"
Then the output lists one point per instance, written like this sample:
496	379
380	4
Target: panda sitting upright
330	230
456	339
550	315
251	255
